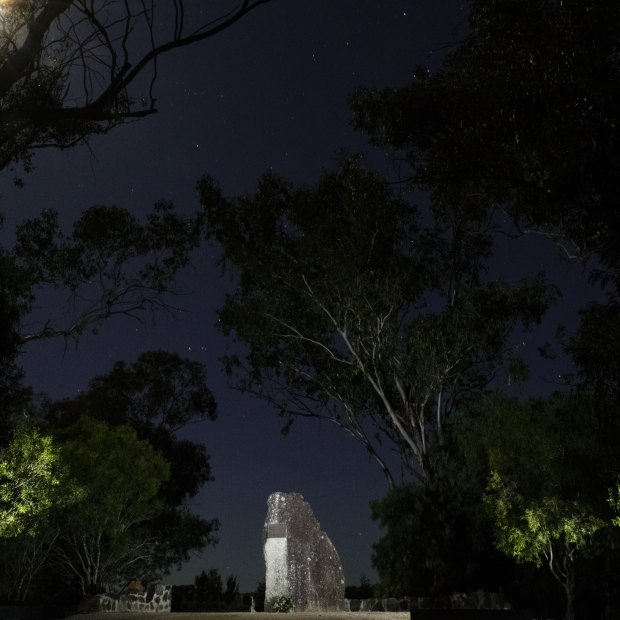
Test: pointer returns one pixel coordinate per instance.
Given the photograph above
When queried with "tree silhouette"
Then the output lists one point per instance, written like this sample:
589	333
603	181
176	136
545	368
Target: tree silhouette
70	69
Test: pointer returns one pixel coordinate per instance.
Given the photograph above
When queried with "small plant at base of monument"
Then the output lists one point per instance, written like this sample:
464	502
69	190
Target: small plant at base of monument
281	604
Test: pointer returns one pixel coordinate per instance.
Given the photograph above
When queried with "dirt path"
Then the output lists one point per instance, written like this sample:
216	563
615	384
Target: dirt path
331	615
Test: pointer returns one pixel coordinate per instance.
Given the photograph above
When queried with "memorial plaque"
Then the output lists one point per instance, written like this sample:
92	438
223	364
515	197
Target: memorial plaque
276	530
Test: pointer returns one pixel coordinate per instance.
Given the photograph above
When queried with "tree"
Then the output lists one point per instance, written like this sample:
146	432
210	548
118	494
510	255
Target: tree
521	123
101	541
159	392
157	395
209	591
232	590
110	265
34	484
437	538
355	313
545	490
70	69
32	475
521	118
23	559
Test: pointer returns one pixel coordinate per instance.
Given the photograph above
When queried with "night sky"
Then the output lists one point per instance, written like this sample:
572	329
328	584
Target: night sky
270	93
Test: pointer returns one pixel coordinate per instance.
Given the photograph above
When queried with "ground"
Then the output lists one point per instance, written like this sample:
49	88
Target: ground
327	615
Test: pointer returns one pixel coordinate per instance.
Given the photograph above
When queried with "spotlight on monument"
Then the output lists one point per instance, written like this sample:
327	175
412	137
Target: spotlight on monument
301	562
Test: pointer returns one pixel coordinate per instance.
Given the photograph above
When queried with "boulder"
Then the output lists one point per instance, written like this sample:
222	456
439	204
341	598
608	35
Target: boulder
301	561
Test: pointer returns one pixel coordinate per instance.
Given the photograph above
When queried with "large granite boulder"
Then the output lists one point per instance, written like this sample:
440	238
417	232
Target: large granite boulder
301	562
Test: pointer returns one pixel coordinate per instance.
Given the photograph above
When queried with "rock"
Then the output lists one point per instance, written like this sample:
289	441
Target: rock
301	562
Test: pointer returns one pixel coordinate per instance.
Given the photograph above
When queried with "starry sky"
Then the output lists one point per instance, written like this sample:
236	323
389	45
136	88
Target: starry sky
269	93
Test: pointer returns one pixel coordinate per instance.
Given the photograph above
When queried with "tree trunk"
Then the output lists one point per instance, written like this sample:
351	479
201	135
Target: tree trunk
569	587
562	567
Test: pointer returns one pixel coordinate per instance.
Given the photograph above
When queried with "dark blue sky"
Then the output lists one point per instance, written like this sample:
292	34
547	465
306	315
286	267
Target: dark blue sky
269	93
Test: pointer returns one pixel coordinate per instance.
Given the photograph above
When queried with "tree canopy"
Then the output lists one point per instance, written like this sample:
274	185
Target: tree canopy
156	396
521	118
549	480
70	69
355	312
32	473
520	125
100	540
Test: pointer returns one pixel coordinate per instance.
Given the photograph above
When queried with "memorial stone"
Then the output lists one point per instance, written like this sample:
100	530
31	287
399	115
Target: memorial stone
301	562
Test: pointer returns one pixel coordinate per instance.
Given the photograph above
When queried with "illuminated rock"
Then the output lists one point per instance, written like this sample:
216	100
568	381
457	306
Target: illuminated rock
301	562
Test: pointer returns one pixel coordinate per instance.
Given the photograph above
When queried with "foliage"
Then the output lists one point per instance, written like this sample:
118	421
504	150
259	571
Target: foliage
436	539
70	69
210	594
355	313
160	391
281	604
545	501
364	590
595	350
232	589
209	585
100	542
32	477
157	395
528	531
516	119
110	265
13	397
614	502
259	596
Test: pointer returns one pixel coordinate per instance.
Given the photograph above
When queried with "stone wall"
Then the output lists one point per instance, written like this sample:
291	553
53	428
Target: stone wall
376	604
155	598
479	600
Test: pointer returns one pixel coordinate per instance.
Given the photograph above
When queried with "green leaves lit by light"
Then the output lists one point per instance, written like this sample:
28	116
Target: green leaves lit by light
526	530
614	502
32	480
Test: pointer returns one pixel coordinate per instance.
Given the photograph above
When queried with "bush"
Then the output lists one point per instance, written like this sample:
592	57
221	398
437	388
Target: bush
281	604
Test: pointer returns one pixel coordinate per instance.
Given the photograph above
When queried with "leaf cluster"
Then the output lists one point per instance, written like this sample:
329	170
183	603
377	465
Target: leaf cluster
110	264
521	117
354	312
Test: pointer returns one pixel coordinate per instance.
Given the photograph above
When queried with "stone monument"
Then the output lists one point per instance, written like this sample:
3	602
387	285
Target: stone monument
301	562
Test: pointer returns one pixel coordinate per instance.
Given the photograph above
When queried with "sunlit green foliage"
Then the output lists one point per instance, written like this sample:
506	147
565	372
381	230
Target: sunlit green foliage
546	490
614	502
33	479
529	530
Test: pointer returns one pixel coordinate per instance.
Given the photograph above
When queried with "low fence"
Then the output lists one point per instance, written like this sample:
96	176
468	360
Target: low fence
470	614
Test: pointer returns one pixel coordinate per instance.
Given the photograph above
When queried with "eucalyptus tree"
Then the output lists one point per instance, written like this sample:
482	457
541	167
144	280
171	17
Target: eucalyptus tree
101	541
109	264
31	475
355	311
521	118
71	69
549	481
157	396
34	483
